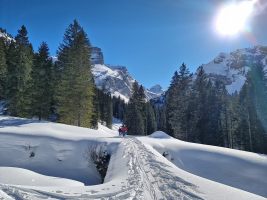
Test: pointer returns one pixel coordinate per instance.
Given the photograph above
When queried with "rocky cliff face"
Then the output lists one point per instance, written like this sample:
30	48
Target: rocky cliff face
232	68
7	37
97	56
118	81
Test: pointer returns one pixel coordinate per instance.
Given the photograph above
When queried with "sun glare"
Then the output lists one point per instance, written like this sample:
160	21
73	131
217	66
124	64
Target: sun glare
232	18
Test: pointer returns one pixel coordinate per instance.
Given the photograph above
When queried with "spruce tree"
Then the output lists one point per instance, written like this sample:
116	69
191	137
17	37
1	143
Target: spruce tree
136	111
3	69
150	119
19	61
177	103
95	117
108	111
42	79
76	87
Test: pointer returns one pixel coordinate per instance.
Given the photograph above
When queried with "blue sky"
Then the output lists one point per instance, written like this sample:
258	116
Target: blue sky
151	37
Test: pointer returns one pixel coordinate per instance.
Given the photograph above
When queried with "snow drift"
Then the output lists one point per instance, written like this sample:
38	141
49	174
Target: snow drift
42	151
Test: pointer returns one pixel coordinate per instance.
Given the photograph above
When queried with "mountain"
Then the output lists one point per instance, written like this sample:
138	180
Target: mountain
232	68
154	92
118	81
7	37
115	80
97	56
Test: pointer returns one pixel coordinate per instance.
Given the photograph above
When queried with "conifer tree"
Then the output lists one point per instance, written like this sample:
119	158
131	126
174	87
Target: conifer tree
20	61
119	107
136	113
76	86
95	117
177	103
108	111
3	69
42	79
150	119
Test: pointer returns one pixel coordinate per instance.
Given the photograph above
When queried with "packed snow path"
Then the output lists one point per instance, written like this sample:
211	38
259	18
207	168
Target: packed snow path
148	174
147	178
137	169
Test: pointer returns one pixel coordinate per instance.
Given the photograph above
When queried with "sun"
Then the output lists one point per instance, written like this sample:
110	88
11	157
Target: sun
232	18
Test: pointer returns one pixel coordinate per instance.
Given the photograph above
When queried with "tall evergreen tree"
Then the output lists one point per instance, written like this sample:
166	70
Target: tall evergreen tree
150	119
177	103
76	87
136	111
42	79
20	61
3	68
119	107
199	104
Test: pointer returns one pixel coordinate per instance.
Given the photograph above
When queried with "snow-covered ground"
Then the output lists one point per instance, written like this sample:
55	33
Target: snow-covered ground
43	160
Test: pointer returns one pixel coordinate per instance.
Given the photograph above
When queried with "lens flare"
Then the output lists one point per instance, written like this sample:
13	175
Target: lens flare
232	18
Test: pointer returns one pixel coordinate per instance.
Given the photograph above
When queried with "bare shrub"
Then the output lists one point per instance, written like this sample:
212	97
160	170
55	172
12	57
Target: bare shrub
99	155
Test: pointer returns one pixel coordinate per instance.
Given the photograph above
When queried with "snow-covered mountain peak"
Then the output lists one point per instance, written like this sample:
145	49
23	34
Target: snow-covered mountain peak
118	81
156	89
232	68
115	80
6	36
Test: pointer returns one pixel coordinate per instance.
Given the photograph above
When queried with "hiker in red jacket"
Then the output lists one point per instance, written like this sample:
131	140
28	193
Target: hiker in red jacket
123	130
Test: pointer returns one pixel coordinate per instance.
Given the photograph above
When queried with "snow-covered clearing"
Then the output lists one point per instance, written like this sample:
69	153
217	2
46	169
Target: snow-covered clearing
33	154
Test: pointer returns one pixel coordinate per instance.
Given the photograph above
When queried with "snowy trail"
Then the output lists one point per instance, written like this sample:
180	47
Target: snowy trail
146	178
136	172
149	174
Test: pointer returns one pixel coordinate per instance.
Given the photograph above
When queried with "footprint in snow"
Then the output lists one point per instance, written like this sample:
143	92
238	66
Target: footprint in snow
94	191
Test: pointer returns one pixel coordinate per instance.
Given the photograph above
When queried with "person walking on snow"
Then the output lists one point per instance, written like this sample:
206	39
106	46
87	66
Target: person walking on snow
123	130
120	131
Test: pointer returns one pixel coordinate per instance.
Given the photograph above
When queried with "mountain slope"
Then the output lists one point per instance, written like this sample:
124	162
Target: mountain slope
232	68
7	37
118	81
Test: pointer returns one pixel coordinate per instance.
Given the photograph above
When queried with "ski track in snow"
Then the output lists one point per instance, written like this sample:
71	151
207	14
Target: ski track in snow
153	176
148	178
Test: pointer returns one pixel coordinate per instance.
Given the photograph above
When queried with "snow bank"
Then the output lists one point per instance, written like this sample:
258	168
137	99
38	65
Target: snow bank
160	135
19	176
244	170
137	169
52	149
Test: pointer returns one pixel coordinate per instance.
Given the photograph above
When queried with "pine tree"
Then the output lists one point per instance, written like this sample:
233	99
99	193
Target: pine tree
76	87
42	79
119	107
136	111
250	132
19	61
177	103
150	119
95	117
199	104
108	111
3	69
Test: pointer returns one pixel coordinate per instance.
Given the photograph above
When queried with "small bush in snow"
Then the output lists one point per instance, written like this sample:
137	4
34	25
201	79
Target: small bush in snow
99	155
32	154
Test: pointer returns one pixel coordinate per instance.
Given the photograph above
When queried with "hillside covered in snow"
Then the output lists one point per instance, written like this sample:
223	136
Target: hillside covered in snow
232	68
118	82
44	160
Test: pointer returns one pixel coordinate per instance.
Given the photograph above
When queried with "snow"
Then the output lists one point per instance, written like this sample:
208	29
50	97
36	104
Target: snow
220	67
233	67
159	134
118	81
226	166
26	177
7	38
137	169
